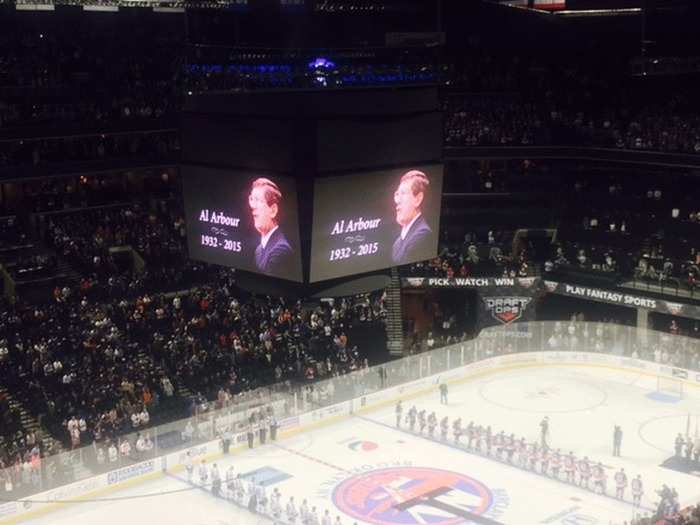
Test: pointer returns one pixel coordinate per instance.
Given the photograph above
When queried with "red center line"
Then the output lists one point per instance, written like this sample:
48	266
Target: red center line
312	458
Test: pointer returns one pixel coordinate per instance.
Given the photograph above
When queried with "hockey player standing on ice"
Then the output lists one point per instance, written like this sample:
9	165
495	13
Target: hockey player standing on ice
421	420
533	456
273	427
253	499
637	490
327	520
262	430
511	445
584	469
432	423
599	479
545	457
522	453
620	484
215	480
471	434
617	441
226	438
275	505
544	432
570	467
517	451
399	412
412	414
231	481
304	512
292	511
313	517
251	435
261	497
457	429
679	445
443	393
203	474
188	466
238	492
499	443
444	428
556	463
479	437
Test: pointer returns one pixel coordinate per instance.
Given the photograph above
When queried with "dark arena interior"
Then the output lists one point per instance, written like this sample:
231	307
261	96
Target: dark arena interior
349	262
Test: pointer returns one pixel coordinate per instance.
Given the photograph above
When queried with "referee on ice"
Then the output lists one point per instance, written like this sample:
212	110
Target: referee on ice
443	393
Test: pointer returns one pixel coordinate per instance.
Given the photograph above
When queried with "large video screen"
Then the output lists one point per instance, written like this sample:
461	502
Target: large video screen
243	220
376	220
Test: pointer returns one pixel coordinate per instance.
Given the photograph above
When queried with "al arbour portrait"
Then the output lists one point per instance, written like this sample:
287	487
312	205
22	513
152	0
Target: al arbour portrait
273	254
415	236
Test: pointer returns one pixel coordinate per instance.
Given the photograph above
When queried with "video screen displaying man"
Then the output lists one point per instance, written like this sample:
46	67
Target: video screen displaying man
370	221
247	221
415	237
274	252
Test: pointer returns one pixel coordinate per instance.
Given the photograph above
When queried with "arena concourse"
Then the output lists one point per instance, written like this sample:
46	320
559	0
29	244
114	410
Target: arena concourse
349	262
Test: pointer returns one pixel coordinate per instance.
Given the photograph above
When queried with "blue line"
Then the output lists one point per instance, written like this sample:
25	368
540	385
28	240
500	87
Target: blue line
462	449
271	519
191	484
204	489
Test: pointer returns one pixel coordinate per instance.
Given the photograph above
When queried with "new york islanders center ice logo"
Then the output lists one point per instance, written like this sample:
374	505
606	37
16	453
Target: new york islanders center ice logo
414	495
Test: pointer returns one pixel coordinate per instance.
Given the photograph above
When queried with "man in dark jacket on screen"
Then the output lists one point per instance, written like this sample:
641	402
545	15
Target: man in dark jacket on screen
414	242
273	254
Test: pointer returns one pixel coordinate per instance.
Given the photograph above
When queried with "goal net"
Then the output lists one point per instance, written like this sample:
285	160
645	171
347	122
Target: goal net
670	386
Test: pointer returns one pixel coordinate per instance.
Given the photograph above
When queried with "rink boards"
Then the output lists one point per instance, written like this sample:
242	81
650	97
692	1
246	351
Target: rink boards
90	488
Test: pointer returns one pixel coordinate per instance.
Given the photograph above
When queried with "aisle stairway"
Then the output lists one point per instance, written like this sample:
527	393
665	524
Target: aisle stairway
394	319
30	423
68	275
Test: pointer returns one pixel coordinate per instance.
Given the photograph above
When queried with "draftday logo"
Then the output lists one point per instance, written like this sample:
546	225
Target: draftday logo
363	446
416	495
506	309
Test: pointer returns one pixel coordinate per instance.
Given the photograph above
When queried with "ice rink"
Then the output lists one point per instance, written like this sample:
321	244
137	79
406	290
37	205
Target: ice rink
364	470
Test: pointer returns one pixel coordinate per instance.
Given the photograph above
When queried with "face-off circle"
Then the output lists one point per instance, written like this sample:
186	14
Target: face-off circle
363	446
412	496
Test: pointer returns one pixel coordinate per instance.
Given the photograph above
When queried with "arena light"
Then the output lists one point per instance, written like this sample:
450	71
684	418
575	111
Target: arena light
321	63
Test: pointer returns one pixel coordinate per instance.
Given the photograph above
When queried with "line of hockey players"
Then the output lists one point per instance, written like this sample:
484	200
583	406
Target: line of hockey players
688	448
247	493
533	456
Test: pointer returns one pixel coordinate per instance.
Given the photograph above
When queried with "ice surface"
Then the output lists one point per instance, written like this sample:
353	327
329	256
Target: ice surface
363	469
